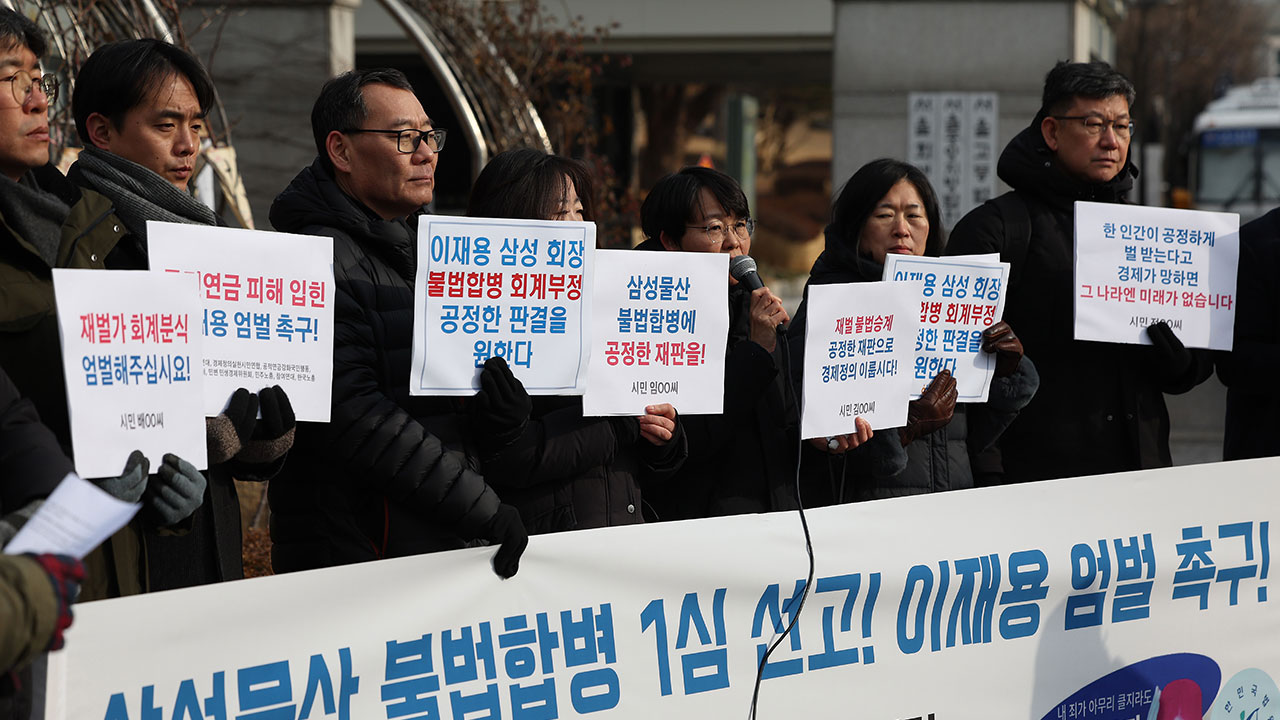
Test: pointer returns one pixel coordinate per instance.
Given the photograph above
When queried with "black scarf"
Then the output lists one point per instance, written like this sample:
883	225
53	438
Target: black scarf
139	194
34	214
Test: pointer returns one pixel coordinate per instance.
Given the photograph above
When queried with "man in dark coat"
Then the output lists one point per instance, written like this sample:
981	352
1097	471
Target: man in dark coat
1100	406
383	478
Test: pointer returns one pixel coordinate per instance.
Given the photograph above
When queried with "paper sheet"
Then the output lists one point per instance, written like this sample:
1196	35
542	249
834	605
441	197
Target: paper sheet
75	519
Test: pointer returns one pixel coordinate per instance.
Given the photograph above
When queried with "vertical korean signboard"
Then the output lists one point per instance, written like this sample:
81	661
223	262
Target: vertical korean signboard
951	137
131	355
516	289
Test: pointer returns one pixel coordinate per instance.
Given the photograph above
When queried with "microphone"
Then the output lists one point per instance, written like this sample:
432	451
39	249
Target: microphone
743	269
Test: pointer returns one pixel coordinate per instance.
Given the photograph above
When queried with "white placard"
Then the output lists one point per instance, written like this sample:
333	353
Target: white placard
659	329
131	353
518	289
858	348
1137	265
266	310
76	518
960	297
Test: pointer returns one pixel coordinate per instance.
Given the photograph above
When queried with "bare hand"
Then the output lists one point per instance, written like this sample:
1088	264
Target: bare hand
767	314
841	444
658	424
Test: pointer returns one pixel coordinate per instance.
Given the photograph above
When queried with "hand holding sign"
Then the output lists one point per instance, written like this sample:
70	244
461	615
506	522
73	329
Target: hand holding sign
658	424
933	410
1000	340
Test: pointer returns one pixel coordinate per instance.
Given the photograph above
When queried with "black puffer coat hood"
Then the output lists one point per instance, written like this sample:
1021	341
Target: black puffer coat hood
1027	165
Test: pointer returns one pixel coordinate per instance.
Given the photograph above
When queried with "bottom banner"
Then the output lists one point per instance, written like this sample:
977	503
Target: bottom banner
1137	595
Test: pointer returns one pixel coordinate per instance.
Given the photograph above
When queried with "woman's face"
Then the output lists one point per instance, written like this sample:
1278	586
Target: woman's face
570	207
712	229
898	224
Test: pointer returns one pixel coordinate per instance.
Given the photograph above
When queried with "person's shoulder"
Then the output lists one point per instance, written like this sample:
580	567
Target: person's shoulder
982	229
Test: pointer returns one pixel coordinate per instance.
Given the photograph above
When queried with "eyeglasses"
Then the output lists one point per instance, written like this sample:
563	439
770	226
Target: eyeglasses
719	232
1094	125
22	82
407	141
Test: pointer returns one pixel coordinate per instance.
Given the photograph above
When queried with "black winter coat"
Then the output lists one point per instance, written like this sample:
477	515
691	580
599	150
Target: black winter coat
1100	407
1253	407
386	476
882	468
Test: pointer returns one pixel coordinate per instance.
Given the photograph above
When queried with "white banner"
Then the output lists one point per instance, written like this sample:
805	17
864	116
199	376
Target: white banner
267	310
858	347
1136	266
518	289
131	351
1077	598
959	298
659	332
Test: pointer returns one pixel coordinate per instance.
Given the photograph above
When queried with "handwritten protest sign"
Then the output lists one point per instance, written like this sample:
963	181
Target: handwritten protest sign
131	353
659	329
517	289
1136	266
266	310
858	348
959	298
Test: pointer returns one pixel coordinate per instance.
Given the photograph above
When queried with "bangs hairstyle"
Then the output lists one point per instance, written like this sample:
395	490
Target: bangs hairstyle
1093	80
864	191
120	76
341	106
528	184
674	201
18	31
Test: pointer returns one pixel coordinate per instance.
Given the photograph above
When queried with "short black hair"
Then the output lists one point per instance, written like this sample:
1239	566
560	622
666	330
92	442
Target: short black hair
863	192
1093	80
120	76
17	30
340	105
527	183
671	204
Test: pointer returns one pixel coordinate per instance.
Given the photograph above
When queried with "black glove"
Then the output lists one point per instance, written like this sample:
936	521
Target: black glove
507	531
132	483
999	339
231	429
500	410
176	492
273	435
1173	359
932	410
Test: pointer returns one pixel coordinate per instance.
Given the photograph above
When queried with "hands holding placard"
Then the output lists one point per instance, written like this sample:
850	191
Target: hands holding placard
236	433
170	496
999	339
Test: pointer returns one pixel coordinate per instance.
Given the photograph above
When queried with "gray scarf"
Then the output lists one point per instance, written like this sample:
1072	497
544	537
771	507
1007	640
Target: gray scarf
35	215
139	194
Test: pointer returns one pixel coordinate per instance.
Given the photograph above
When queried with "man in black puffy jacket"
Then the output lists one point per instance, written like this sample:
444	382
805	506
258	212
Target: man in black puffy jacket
384	478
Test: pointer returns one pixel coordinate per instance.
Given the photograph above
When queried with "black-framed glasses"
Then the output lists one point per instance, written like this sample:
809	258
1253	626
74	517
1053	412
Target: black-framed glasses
407	141
22	83
719	232
1094	125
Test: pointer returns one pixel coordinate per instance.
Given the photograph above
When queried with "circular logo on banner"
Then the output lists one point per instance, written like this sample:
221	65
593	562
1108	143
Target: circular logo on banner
1249	695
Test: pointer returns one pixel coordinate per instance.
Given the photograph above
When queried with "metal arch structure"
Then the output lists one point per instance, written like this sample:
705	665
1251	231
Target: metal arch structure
495	112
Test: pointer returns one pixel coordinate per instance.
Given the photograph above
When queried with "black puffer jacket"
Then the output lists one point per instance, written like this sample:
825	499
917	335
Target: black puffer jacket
882	468
385	477
1100	407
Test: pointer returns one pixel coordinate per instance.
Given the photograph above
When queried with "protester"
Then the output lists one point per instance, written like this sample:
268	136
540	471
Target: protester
386	476
744	460
1100	407
562	470
887	207
140	108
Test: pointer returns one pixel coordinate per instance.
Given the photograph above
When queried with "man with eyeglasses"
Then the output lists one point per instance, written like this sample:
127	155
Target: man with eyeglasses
386	476
1100	407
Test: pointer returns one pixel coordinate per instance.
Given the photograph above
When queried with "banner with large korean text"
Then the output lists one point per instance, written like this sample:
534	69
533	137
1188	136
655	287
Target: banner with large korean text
131	352
1136	266
959	298
659	330
516	289
858	348
266	310
1090	598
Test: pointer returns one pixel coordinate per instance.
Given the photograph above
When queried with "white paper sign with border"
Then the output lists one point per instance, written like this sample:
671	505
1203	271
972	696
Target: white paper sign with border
1136	266
960	297
131	350
858	348
518	289
267	310
659	329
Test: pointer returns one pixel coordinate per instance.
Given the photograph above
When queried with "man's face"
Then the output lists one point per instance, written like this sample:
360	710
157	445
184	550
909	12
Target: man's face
1092	158
371	167
24	121
161	134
